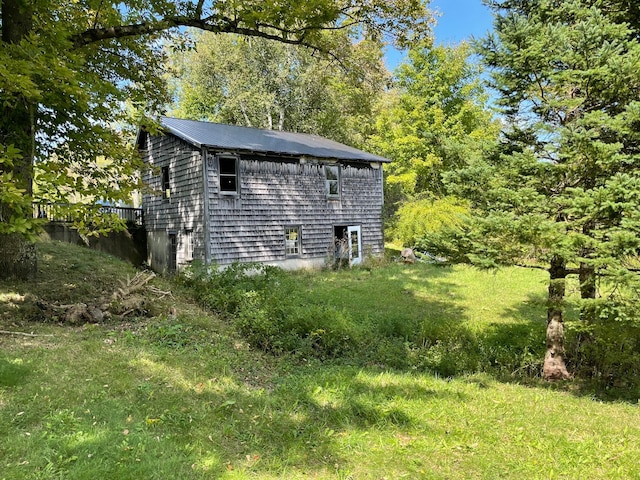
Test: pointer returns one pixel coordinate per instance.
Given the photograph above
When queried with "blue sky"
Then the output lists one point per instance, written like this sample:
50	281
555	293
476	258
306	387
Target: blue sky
458	20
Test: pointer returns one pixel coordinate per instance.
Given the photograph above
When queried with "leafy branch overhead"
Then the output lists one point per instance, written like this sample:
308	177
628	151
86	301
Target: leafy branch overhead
299	23
73	74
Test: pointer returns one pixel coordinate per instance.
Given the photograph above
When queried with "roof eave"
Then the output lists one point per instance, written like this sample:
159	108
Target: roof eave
276	153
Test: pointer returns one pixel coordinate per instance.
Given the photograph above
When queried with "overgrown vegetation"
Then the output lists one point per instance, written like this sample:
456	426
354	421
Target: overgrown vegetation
429	318
183	395
268	307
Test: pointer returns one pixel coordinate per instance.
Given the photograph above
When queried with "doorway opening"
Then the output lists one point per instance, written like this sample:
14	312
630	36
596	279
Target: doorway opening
172	264
348	244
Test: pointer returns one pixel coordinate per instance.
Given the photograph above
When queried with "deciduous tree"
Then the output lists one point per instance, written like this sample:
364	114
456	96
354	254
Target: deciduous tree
68	68
260	83
434	120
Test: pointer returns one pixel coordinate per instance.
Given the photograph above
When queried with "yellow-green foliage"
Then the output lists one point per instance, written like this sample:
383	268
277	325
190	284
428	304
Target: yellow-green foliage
419	218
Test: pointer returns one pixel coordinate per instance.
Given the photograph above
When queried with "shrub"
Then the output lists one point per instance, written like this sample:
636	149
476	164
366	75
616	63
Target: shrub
424	217
448	356
273	312
263	304
222	290
607	350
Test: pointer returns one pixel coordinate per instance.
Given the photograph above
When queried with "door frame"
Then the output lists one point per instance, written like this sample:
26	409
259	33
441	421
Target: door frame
354	230
352	235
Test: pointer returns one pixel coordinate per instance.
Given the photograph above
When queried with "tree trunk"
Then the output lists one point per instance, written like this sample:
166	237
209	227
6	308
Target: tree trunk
587	278
18	257
554	365
588	291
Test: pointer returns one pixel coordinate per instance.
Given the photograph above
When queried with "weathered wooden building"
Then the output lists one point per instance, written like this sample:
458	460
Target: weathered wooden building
227	194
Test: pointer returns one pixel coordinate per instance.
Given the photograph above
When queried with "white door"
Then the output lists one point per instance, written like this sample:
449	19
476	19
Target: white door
355	245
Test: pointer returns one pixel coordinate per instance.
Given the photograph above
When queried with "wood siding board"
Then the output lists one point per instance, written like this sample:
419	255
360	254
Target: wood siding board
273	194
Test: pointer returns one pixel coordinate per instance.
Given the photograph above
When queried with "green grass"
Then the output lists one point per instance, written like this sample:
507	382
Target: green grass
437	294
446	320
184	396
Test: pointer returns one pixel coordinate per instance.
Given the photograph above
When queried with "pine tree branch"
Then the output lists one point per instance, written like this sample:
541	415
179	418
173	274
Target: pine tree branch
535	267
567	271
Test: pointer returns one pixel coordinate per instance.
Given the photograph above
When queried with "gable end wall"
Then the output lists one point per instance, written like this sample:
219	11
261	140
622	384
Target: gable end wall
184	209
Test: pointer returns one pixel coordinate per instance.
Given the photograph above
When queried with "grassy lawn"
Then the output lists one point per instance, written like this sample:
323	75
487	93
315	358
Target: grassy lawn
182	395
438	297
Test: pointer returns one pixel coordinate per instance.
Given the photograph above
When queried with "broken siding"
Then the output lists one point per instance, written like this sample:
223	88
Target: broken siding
183	210
276	194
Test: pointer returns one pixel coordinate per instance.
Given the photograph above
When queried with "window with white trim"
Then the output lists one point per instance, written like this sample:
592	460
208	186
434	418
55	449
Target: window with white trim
188	244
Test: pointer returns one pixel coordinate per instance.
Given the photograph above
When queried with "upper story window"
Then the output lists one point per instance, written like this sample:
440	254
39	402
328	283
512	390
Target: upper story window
166	189
332	182
142	141
228	174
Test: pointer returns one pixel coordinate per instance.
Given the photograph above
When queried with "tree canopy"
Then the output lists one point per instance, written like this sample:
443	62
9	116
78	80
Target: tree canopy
260	83
434	120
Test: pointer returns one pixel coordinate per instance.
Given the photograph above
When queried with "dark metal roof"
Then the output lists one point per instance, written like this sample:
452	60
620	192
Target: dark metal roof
231	137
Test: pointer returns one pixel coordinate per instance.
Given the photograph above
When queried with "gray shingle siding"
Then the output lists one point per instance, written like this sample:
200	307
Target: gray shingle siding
184	209
273	195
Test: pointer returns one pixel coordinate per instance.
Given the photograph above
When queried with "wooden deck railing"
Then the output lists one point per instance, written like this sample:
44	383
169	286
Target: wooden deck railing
52	212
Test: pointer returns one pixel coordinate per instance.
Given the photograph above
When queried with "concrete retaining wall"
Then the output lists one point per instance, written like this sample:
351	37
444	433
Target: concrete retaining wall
129	245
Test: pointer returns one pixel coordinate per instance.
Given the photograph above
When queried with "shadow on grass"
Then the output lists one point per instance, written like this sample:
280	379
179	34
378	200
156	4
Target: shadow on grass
298	422
392	308
525	344
12	372
174	405
169	413
151	410
511	349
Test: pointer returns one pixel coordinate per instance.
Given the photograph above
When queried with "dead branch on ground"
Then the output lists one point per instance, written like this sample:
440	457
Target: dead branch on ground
24	334
125	300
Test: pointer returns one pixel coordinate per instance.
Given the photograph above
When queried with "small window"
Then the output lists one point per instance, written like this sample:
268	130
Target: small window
166	190
172	261
142	141
332	173
292	241
188	245
228	172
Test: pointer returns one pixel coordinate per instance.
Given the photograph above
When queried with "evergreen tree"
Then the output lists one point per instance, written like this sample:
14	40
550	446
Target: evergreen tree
563	189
